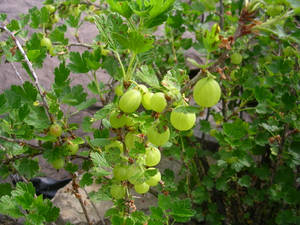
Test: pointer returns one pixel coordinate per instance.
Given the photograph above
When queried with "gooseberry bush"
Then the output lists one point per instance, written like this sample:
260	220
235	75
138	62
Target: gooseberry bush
230	119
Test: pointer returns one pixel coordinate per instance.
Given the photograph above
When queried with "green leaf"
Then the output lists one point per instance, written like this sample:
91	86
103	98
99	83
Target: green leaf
61	75
156	213
182	210
173	80
77	64
245	181
86	104
44	15
99	160
4	171
205	126
9	207
75	97
73	21
157	14
87	124
98	196
112	67
23	112
25	200
235	130
22	188
147	75
92	59
37	118
86	180
35	17
30	91
200	195
35	52
53	154
285	217
102	113
295	146
134	41
13	25
122	8
5	189
27	167
58	35
164	202
221	184
3	16
78	141
70	167
34	219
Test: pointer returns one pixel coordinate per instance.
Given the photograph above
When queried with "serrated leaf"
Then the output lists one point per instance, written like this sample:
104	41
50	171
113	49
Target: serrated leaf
44	15
78	141
99	196
235	130
147	75
245	181
3	16
200	195
23	188
86	104
58	35
122	8
86	180
156	213
27	167
102	113
5	189
134	41
25	200
35	52
34	219
77	64
184	216
37	118
61	75
30	91
9	207
75	97
99	160
164	202
70	167
45	209
73	21
53	154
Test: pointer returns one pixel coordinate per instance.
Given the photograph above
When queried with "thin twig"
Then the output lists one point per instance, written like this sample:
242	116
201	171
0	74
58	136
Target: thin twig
21	142
17	72
221	14
35	77
78	196
81	45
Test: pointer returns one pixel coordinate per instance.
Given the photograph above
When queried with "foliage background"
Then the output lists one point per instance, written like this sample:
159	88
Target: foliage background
252	177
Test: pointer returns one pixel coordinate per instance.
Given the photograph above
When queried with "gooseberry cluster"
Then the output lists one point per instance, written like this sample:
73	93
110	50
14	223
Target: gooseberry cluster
56	131
138	170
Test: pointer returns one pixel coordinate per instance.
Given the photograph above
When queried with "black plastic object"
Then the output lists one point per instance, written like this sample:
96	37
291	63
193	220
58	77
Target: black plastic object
48	186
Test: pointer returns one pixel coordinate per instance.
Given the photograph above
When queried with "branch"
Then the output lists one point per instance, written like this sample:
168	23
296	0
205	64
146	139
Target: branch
17	141
75	191
221	15
17	72
35	77
80	45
